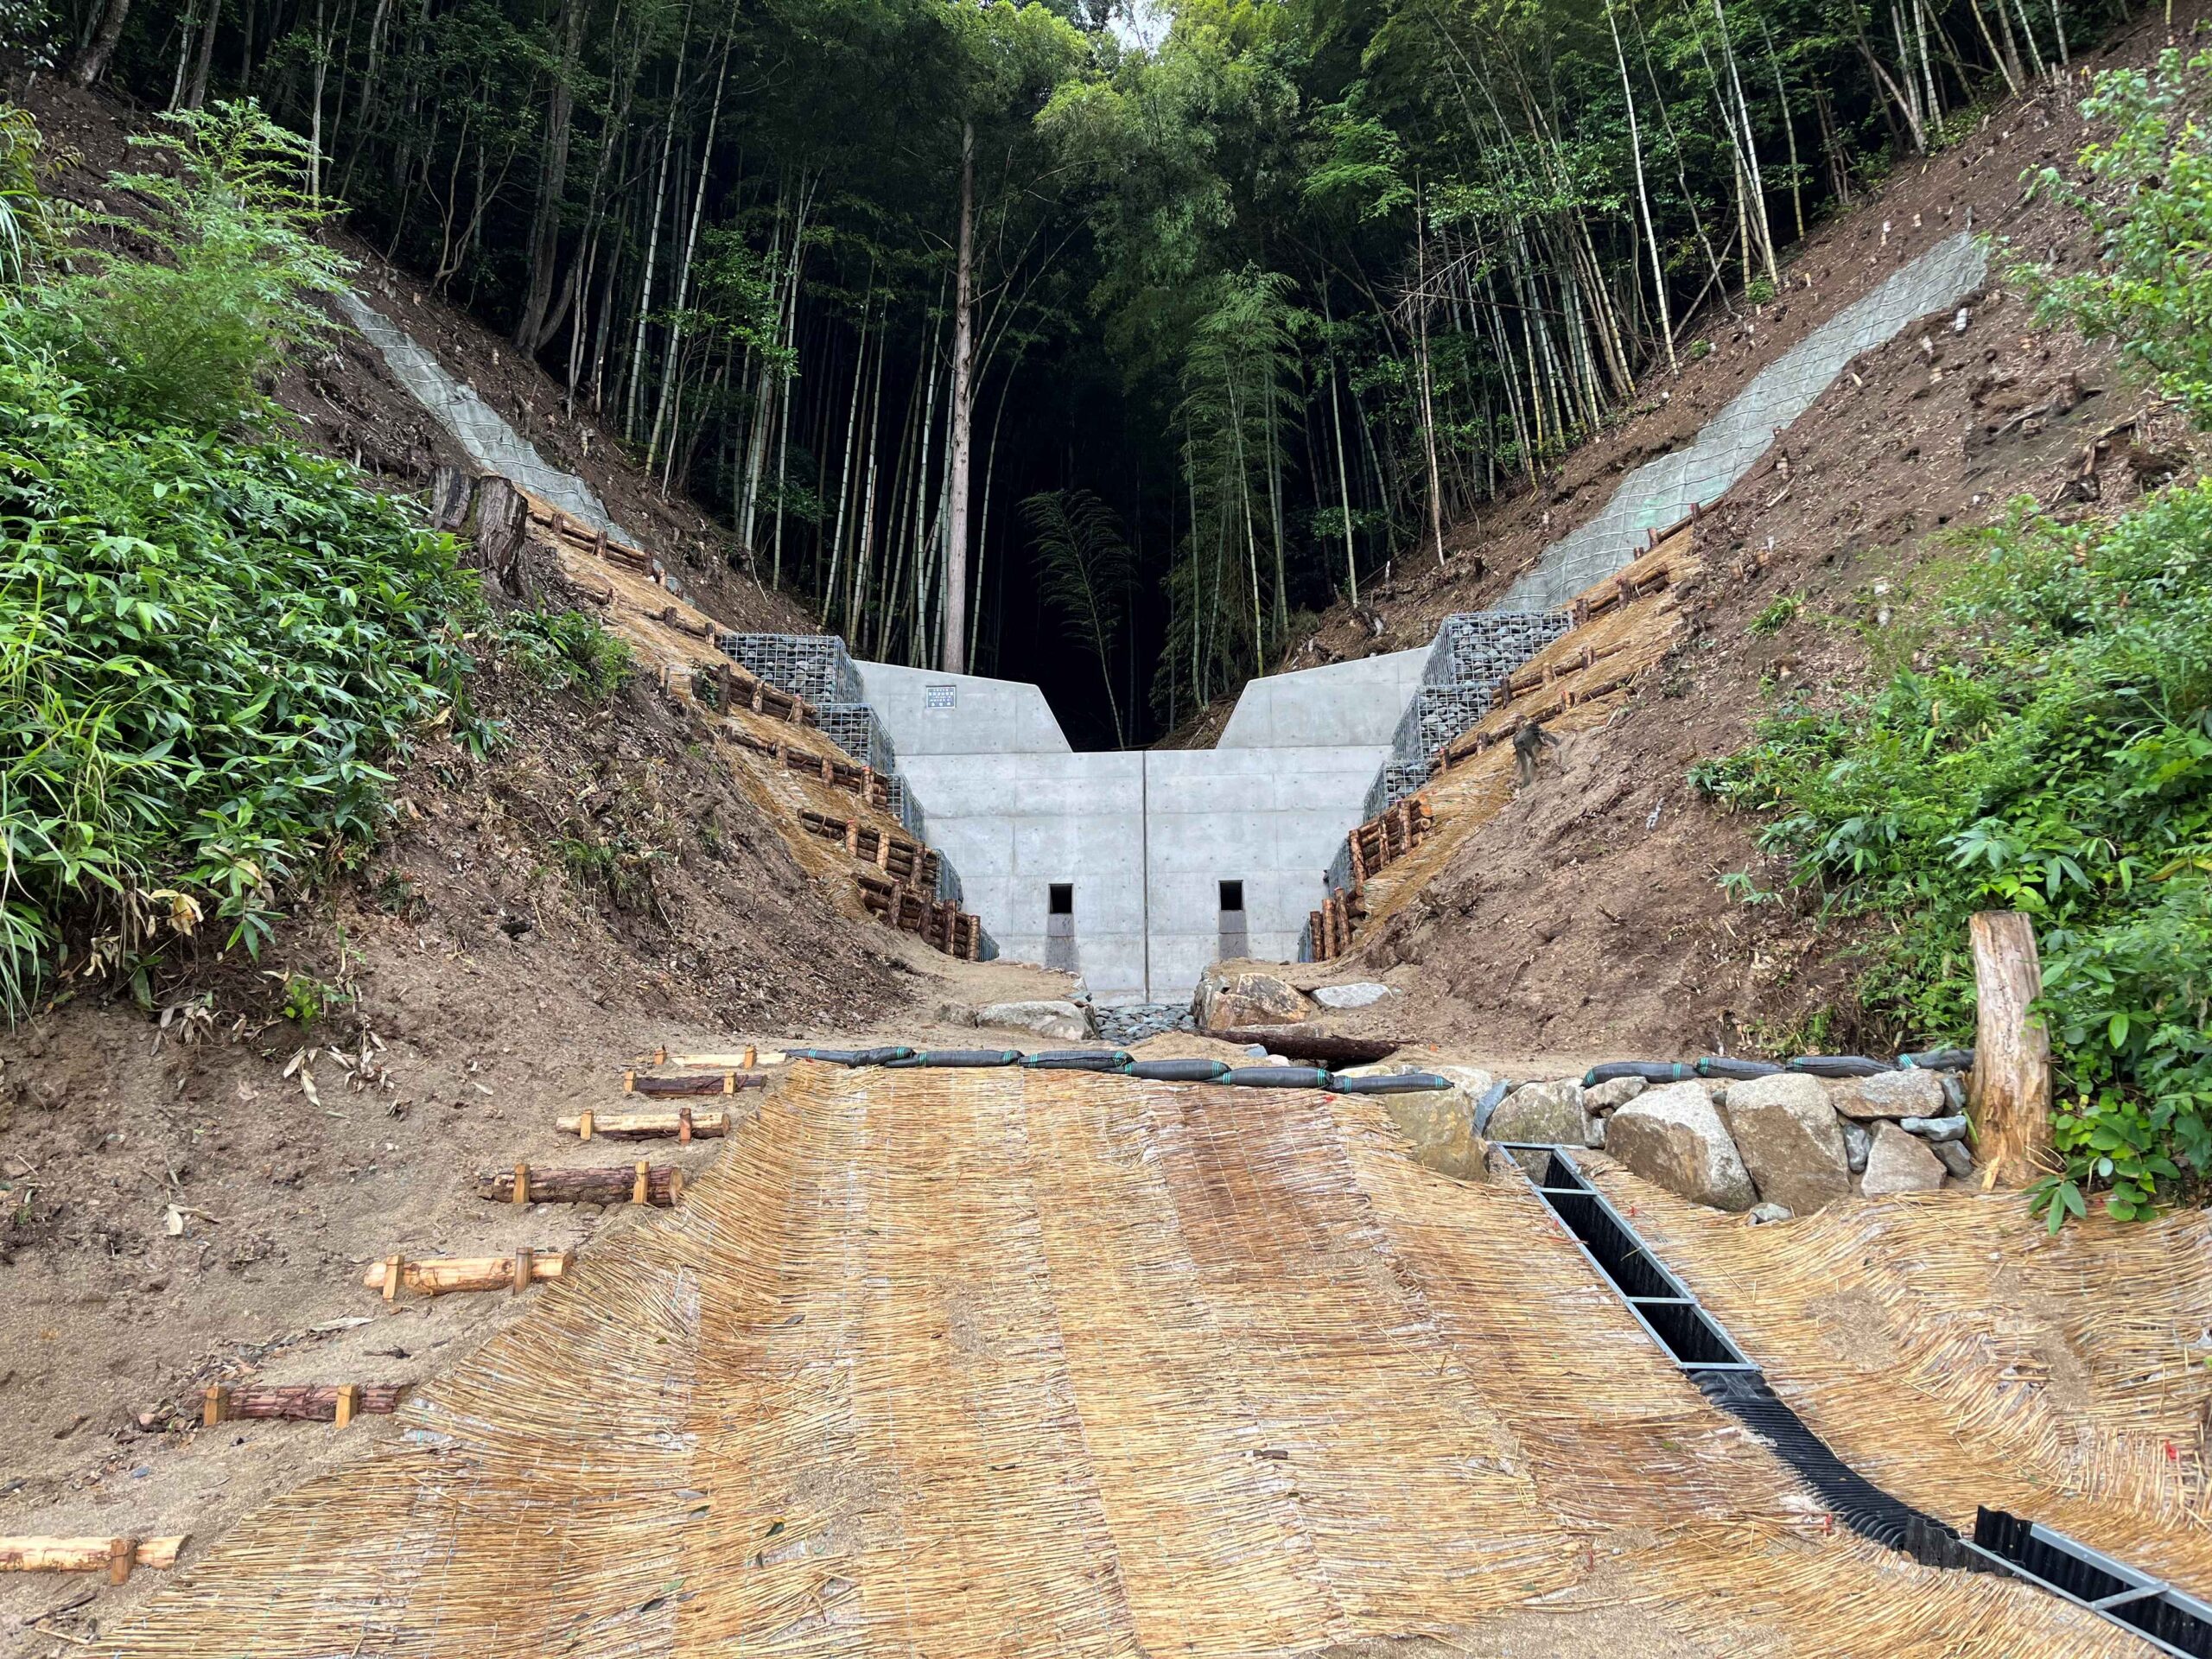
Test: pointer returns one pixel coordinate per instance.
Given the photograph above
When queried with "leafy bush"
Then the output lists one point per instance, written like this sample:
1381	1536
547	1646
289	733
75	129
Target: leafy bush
185	338
2149	202
205	650
565	651
2057	761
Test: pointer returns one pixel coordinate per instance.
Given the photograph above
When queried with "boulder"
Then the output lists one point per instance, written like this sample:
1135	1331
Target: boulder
1953	1156
1935	1128
1061	1021
1858	1142
1790	1141
1612	1096
1888	1094
1900	1163
1440	1132
1365	995
1762	1215
1230	997
1673	1136
1548	1114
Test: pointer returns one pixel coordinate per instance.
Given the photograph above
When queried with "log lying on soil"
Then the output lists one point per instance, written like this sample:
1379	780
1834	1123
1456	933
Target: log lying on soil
318	1402
1295	1043
442	1274
660	1185
683	1124
114	1556
714	1083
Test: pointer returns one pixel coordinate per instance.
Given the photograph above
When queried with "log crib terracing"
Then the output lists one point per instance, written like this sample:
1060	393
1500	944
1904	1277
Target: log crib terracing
771	735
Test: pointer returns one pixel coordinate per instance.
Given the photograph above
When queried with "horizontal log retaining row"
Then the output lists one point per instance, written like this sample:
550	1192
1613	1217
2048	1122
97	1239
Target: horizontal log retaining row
315	1402
699	1083
114	1556
660	1185
684	1123
1389	836
442	1275
565	531
897	856
743	1059
940	923
1475	742
1330	925
728	687
840	774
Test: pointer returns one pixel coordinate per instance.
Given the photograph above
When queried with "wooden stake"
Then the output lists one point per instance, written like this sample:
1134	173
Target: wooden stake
121	1556
394	1271
522	1184
215	1405
684	1125
640	1181
524	1265
348	1402
583	1125
2009	1093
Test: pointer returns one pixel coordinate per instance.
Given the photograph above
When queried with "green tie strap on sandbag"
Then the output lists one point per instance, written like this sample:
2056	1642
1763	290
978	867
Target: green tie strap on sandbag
1277	1076
853	1056
1720	1066
1939	1059
1649	1071
1840	1066
958	1057
1176	1070
1399	1083
1079	1059
1487	1106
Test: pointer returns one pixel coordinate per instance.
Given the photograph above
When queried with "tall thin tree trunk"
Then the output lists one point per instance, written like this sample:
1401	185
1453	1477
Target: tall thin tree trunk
92	63
964	352
542	247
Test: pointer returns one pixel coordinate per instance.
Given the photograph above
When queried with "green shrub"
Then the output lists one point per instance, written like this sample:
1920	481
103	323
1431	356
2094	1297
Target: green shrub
565	651
185	338
207	650
2148	202
2057	760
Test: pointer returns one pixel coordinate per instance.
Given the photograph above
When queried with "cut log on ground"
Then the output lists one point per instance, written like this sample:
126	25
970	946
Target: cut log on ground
659	1185
703	1083
2008	1096
1294	1042
442	1275
683	1124
316	1403
113	1556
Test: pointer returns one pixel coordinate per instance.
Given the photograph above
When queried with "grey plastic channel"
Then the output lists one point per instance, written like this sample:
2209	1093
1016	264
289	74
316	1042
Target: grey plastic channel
1636	1305
2142	1586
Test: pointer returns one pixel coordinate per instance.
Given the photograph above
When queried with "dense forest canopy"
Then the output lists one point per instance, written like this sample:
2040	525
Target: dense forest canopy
1259	297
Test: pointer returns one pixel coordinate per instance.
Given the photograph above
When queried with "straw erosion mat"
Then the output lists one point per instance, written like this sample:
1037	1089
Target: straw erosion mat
960	1364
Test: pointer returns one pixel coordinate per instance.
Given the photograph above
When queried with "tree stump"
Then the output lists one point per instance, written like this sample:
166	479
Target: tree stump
2009	1094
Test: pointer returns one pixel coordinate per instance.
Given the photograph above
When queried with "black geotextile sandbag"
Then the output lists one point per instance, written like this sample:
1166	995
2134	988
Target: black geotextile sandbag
1840	1066
970	1057
1078	1059
853	1056
1176	1070
1649	1071
1721	1065
1276	1076
1939	1059
1400	1083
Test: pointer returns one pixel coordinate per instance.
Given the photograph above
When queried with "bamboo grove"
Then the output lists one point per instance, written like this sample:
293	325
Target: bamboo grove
1280	287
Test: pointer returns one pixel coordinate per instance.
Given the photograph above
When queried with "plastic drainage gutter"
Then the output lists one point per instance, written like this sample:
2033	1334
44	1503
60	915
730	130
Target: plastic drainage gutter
2172	1621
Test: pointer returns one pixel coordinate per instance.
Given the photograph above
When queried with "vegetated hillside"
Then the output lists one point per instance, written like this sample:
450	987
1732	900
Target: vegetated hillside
1590	912
196	1160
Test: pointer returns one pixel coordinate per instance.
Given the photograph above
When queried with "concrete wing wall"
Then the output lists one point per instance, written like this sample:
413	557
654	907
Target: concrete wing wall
1344	705
928	713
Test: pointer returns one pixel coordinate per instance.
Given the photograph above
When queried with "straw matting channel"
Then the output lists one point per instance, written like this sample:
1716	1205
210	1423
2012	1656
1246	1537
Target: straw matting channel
1955	1351
1007	1363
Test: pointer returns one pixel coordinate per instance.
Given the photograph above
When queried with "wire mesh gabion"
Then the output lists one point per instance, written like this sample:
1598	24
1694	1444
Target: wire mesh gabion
854	728
815	666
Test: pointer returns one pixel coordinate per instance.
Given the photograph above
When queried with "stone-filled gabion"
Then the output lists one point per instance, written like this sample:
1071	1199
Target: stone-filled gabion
815	666
854	728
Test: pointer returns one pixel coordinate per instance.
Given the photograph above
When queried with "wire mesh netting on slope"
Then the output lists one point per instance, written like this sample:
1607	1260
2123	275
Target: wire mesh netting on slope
1042	1363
